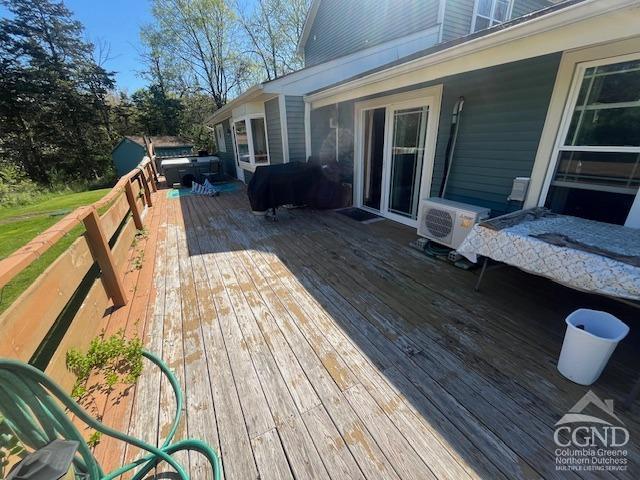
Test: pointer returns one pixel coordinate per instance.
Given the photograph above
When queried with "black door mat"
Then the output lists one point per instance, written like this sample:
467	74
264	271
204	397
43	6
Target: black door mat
360	215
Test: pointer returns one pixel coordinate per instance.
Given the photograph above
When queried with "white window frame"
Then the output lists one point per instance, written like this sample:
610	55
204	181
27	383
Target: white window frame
490	17
220	140
251	165
633	218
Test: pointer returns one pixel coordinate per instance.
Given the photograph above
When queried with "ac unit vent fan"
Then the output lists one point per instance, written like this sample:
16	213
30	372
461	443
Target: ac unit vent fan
438	222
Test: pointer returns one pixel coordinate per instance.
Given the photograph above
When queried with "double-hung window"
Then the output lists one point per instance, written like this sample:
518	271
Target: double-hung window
597	158
251	141
488	13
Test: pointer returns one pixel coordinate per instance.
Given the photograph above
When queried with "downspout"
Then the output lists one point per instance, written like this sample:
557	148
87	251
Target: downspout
456	118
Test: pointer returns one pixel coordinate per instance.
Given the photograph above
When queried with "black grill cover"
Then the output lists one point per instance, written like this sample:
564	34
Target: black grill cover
285	184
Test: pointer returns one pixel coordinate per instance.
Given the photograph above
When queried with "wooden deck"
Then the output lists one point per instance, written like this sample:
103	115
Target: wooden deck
319	347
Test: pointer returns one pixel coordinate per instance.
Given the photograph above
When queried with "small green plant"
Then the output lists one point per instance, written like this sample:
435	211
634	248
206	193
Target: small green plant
114	359
137	261
141	234
94	439
10	447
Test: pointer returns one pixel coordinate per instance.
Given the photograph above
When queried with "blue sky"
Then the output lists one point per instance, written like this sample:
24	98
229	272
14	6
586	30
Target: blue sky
117	22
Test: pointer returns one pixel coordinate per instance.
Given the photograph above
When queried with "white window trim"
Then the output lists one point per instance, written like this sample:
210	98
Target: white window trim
490	17
633	218
251	166
220	139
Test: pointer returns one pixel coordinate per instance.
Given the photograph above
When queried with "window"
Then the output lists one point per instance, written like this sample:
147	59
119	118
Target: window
597	171
259	137
222	146
242	141
488	13
251	142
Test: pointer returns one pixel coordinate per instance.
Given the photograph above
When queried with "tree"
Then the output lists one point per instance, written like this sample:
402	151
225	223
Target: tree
155	112
123	115
200	39
273	28
53	112
197	108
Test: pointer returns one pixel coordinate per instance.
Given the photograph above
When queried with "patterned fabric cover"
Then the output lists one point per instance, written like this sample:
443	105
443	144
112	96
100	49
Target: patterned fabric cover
574	268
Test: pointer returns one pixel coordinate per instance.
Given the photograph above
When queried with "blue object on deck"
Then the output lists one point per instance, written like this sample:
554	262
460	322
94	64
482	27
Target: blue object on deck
179	192
220	188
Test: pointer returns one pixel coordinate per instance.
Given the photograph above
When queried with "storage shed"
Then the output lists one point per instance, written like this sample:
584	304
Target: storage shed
131	150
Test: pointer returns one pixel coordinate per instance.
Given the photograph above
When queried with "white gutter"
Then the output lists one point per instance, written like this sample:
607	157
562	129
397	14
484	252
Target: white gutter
558	19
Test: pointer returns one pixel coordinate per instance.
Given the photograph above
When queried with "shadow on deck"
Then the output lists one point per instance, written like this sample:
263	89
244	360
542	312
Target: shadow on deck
319	347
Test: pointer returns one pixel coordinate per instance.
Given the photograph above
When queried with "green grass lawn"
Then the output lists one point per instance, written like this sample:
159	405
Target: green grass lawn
19	225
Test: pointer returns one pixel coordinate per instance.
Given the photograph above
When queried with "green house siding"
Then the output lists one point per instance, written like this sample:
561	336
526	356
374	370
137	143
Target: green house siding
346	117
457	19
126	156
274	131
522	7
504	112
227	158
295	128
323	136
342	27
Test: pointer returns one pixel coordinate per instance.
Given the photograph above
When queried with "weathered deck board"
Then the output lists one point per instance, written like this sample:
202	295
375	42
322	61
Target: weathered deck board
200	412
318	347
172	339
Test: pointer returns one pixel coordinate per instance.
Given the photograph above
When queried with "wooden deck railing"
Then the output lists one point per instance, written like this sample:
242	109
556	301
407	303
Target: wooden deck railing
29	322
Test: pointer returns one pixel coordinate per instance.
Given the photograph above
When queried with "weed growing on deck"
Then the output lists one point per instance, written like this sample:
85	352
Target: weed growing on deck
114	360
94	439
10	447
141	234
137	261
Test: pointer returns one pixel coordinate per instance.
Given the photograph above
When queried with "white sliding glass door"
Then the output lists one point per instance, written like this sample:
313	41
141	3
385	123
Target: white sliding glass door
406	158
395	145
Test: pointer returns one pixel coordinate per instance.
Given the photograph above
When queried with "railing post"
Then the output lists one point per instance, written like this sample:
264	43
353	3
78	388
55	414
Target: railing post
137	218
154	167
147	190
152	179
100	248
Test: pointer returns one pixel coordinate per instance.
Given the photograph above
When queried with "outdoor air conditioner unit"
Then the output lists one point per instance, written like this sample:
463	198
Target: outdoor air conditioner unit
448	222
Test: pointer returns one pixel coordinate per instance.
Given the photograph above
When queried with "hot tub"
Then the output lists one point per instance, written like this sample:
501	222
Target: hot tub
174	169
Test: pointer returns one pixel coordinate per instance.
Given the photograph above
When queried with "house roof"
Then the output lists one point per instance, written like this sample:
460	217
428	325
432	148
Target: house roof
558	5
164	141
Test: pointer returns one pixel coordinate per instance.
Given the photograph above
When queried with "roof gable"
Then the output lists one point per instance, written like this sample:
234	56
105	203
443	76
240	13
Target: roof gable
308	23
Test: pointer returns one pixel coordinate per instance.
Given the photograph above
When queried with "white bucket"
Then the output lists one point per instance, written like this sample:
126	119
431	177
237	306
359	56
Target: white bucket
589	341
